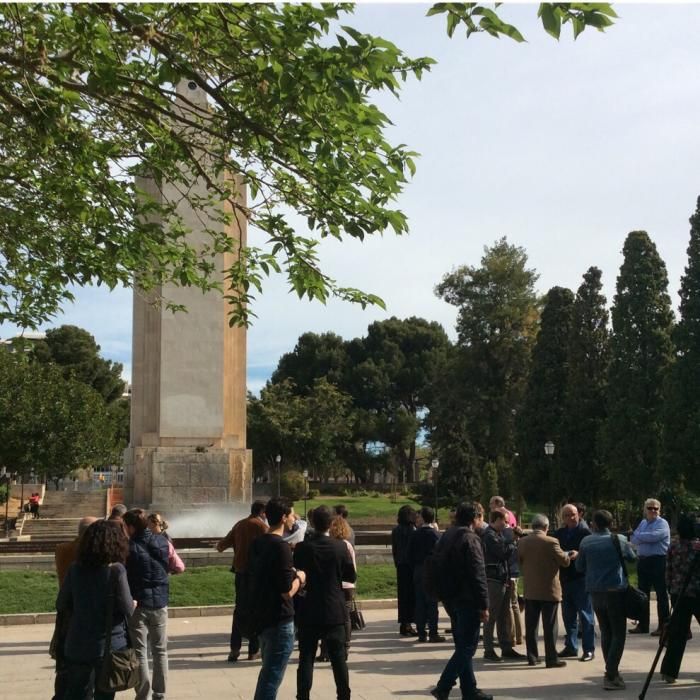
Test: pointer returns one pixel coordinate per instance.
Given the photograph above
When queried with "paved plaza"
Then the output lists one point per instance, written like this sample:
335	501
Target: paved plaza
382	665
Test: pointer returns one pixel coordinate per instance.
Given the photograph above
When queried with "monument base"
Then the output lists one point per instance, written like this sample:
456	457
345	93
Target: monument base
167	478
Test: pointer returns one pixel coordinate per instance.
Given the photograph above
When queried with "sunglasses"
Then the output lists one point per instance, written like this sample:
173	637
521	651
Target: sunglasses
652	508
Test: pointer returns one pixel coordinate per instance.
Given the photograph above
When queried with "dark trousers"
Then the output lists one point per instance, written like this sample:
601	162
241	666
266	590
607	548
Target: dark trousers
81	681
240	610
426	607
683	611
405	594
465	631
609	608
334	637
500	617
547	610
651	572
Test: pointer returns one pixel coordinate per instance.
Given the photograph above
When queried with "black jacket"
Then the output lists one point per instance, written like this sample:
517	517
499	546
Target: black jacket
400	536
327	563
497	552
421	543
570	539
147	570
466	566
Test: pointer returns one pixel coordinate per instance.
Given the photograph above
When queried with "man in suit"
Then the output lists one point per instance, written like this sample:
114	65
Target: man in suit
540	558
321	612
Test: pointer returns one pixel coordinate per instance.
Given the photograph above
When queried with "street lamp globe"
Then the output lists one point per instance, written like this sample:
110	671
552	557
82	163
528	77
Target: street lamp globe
549	448
435	463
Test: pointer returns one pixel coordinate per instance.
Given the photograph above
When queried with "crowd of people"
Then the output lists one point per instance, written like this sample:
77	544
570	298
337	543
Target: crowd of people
295	579
113	576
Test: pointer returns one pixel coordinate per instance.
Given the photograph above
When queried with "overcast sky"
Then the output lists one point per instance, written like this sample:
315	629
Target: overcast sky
563	147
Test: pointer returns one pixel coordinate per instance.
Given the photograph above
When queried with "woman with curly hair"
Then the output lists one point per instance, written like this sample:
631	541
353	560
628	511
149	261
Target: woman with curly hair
98	572
341	530
400	537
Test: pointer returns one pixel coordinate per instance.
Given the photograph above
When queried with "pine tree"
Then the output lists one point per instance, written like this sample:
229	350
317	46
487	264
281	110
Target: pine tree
543	410
641	353
682	425
584	414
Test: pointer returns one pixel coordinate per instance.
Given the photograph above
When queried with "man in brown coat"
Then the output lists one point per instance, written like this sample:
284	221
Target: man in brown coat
241	537
540	557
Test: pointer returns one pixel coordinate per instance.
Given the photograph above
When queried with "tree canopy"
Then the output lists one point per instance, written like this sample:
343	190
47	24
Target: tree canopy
88	101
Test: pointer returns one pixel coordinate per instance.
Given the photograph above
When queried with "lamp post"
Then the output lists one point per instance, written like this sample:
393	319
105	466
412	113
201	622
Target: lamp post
549	451
6	477
305	474
435	463
278	459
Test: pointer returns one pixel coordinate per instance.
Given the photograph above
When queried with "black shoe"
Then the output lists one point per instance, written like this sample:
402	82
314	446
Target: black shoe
587	656
436	638
556	664
408	631
422	638
567	652
533	660
492	656
440	694
254	655
322	658
512	654
638	630
233	657
477	694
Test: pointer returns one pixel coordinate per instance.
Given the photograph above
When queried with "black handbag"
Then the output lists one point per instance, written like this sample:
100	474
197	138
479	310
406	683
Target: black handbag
357	619
120	668
635	601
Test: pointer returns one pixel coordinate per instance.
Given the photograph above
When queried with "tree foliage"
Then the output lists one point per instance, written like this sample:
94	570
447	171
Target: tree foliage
582	466
88	101
682	423
640	356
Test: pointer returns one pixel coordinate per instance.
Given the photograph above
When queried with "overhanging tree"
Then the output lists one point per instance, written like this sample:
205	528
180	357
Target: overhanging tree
88	101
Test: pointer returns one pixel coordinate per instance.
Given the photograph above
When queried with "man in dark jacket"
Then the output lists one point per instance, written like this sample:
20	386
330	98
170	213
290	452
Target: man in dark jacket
420	546
467	603
576	602
497	553
322	611
147	573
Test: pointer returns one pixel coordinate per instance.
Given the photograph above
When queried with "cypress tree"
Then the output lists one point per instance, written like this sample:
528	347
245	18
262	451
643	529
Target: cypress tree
584	414
682	426
641	353
543	410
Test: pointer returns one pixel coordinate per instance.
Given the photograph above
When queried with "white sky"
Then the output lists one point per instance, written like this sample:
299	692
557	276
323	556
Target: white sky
564	147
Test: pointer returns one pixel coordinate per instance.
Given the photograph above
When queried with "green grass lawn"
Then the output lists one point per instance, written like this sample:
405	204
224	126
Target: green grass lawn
35	591
380	509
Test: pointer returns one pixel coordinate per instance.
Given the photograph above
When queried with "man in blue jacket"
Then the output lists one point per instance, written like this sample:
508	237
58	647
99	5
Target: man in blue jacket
147	573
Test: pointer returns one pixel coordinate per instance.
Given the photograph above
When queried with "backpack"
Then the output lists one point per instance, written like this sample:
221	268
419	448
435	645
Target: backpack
440	578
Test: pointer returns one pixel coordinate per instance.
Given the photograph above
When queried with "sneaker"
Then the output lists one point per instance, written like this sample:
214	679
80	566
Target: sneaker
512	654
616	684
436	638
233	657
567	652
587	656
492	656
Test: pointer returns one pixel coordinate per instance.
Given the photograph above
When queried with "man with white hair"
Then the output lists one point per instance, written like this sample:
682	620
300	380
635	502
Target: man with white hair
540	558
651	540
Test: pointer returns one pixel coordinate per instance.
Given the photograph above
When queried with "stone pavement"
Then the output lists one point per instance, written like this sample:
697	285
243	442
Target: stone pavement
382	666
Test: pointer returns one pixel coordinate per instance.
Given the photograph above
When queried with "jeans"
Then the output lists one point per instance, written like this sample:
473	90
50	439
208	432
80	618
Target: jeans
149	629
80	681
241	609
276	644
465	630
547	609
610	610
576	602
334	637
499	617
652	574
426	608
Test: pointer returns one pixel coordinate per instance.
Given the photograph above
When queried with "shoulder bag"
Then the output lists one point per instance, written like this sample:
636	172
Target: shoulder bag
635	601
119	670
357	619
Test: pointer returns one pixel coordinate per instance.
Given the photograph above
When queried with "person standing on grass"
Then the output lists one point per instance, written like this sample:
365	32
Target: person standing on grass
420	547
467	603
598	558
147	571
241	537
322	614
273	583
400	537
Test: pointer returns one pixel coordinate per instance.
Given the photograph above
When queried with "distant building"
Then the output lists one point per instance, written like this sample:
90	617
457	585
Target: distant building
23	341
